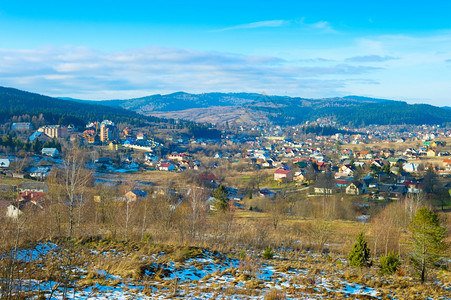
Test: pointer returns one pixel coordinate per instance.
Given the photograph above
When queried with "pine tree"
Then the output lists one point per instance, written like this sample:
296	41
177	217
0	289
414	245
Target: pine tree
427	240
360	253
268	253
222	197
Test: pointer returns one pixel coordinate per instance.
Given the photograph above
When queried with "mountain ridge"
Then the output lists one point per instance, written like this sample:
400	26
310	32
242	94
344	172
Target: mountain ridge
283	110
250	108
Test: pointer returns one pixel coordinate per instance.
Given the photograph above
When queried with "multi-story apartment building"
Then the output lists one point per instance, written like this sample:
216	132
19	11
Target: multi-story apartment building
54	131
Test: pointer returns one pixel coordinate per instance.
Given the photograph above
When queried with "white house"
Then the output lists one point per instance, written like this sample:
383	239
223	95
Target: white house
356	188
166	167
52	152
410	167
39	172
4	163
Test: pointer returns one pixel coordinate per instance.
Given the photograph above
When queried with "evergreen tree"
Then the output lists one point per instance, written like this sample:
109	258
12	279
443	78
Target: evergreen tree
360	253
268	253
37	146
222	198
389	263
386	169
427	240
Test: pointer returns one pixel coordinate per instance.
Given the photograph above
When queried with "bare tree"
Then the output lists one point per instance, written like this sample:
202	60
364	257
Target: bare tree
276	209
198	209
76	177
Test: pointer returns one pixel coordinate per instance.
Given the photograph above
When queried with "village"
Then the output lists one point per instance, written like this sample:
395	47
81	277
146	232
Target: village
381	164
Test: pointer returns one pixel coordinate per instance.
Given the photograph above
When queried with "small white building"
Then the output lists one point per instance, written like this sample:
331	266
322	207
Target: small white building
51	152
4	163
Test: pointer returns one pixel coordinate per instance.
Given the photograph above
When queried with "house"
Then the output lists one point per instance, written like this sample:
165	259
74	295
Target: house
283	174
394	161
365	155
135	194
51	152
30	196
22	126
41	136
447	164
179	156
377	163
91	136
356	188
127	131
4	163
413	187
39	173
343	181
33	186
166	166
410	167
150	157
347	170
15	209
115	146
371	182
26	200
346	153
266	193
393	190
267	163
299	176
431	153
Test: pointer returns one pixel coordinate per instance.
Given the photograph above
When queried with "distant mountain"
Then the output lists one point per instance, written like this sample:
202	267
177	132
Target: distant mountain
282	110
15	103
109	103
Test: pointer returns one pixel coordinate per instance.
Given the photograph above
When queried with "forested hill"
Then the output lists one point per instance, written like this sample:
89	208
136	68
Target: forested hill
391	113
283	110
220	107
15	103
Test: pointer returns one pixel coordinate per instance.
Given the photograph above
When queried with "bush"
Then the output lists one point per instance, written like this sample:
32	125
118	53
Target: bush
275	294
268	253
389	263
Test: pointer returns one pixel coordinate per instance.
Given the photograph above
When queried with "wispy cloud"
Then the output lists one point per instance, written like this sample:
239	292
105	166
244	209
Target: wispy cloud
323	26
370	58
260	24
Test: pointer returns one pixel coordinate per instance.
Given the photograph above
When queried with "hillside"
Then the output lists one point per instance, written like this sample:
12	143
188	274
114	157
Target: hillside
14	102
282	110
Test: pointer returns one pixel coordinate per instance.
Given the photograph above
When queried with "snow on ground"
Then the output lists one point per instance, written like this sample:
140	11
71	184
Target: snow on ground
207	275
40	250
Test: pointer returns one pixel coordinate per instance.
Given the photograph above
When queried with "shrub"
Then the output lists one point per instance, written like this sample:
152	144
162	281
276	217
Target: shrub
275	294
268	253
389	263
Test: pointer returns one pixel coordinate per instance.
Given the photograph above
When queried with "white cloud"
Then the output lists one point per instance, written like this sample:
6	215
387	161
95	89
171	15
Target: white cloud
260	24
323	26
85	73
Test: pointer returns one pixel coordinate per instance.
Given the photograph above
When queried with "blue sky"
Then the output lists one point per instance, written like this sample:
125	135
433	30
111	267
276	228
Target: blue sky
123	49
